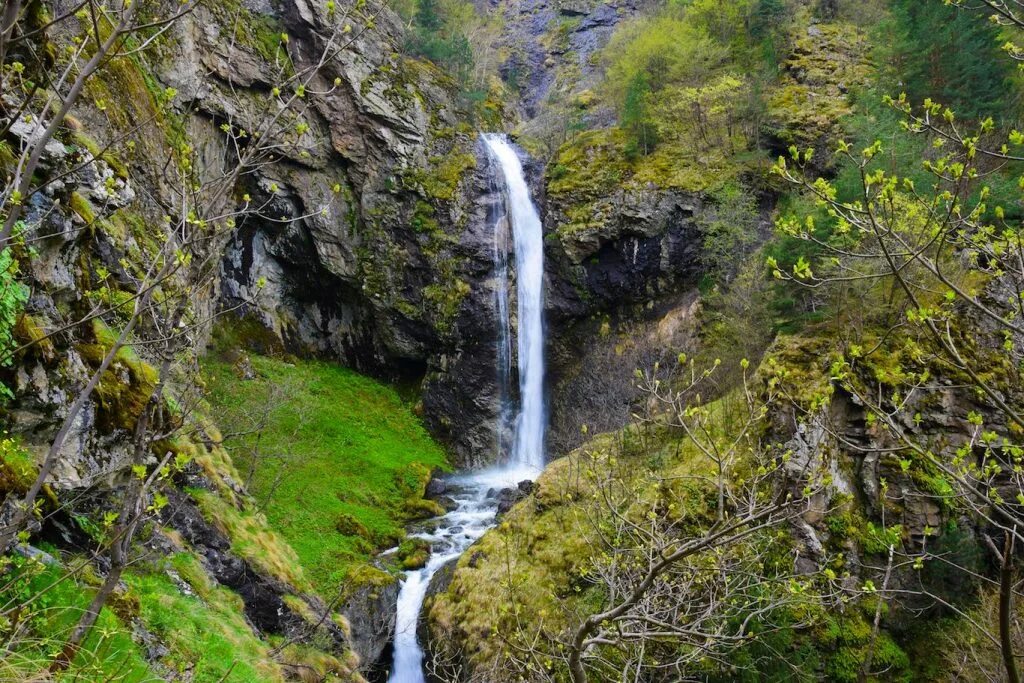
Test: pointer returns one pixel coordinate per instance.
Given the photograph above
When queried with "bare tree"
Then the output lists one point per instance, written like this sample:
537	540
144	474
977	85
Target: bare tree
680	517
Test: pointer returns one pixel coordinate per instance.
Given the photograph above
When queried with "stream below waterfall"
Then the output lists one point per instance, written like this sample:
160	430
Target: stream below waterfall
475	492
475	495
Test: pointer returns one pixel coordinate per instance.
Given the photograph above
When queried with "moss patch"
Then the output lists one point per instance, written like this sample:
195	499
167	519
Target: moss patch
126	386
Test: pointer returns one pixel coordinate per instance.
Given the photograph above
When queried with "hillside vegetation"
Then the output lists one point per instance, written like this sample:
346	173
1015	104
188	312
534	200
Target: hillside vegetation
248	316
338	483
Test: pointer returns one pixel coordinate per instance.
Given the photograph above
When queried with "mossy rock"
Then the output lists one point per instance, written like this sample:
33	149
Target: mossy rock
248	333
18	468
413	553
419	508
365	577
82	207
30	333
347	525
127	385
125	604
412	479
8	160
811	100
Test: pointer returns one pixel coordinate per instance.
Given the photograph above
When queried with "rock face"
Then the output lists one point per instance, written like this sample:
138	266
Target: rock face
371	613
621	296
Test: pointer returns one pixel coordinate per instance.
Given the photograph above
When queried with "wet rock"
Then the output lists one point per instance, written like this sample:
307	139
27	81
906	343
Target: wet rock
435	488
447	502
507	498
371	613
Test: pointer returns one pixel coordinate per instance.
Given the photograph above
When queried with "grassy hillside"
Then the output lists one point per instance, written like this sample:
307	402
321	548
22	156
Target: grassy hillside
336	461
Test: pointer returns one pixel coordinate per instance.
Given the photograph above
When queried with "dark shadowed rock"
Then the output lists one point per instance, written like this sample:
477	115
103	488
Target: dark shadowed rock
507	498
371	613
262	595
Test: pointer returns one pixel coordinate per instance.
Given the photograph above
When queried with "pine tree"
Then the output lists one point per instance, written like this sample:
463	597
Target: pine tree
948	54
635	117
768	16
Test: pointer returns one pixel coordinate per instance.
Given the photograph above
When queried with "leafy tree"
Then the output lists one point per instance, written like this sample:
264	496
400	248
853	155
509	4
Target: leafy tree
767	17
728	229
13	296
437	36
666	49
936	274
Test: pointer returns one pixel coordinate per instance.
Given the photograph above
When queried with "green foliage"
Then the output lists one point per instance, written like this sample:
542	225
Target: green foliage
51	604
844	640
878	539
437	36
13	295
728	229
359	431
17	467
951	54
643	135
665	50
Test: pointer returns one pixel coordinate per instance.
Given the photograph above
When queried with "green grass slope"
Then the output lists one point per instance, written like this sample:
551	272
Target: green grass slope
337	461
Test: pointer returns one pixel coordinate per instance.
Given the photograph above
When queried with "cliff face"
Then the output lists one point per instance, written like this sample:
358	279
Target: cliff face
360	251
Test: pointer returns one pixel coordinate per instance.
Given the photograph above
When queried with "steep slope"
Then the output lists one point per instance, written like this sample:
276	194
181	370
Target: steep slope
209	590
549	560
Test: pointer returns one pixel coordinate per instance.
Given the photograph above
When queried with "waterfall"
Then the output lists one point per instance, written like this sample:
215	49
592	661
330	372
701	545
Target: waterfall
473	493
528	238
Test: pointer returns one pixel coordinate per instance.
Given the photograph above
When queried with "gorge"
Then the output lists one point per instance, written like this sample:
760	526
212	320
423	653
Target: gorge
476	495
554	341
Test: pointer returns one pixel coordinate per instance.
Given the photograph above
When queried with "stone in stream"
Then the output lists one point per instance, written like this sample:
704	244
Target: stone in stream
507	498
436	487
447	502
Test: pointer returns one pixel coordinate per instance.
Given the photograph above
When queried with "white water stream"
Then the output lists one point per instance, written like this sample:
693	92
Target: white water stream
473	492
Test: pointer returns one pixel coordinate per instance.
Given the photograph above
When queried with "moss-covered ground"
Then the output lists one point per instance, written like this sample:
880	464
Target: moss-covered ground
202	625
338	462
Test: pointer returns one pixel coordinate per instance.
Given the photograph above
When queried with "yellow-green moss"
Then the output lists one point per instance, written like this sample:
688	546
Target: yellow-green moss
17	467
810	101
365	576
30	333
82	207
252	538
446	174
8	160
128	383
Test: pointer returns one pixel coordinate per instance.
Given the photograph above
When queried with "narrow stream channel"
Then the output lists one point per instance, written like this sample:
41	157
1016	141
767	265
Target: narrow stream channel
473	492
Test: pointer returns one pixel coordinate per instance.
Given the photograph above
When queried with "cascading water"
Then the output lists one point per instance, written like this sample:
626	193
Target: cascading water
473	493
528	238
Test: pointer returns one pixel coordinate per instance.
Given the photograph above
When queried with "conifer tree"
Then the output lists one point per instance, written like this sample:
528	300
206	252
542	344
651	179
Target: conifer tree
951	55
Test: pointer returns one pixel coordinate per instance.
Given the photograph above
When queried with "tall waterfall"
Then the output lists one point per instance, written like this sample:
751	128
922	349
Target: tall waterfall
472	493
528	238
